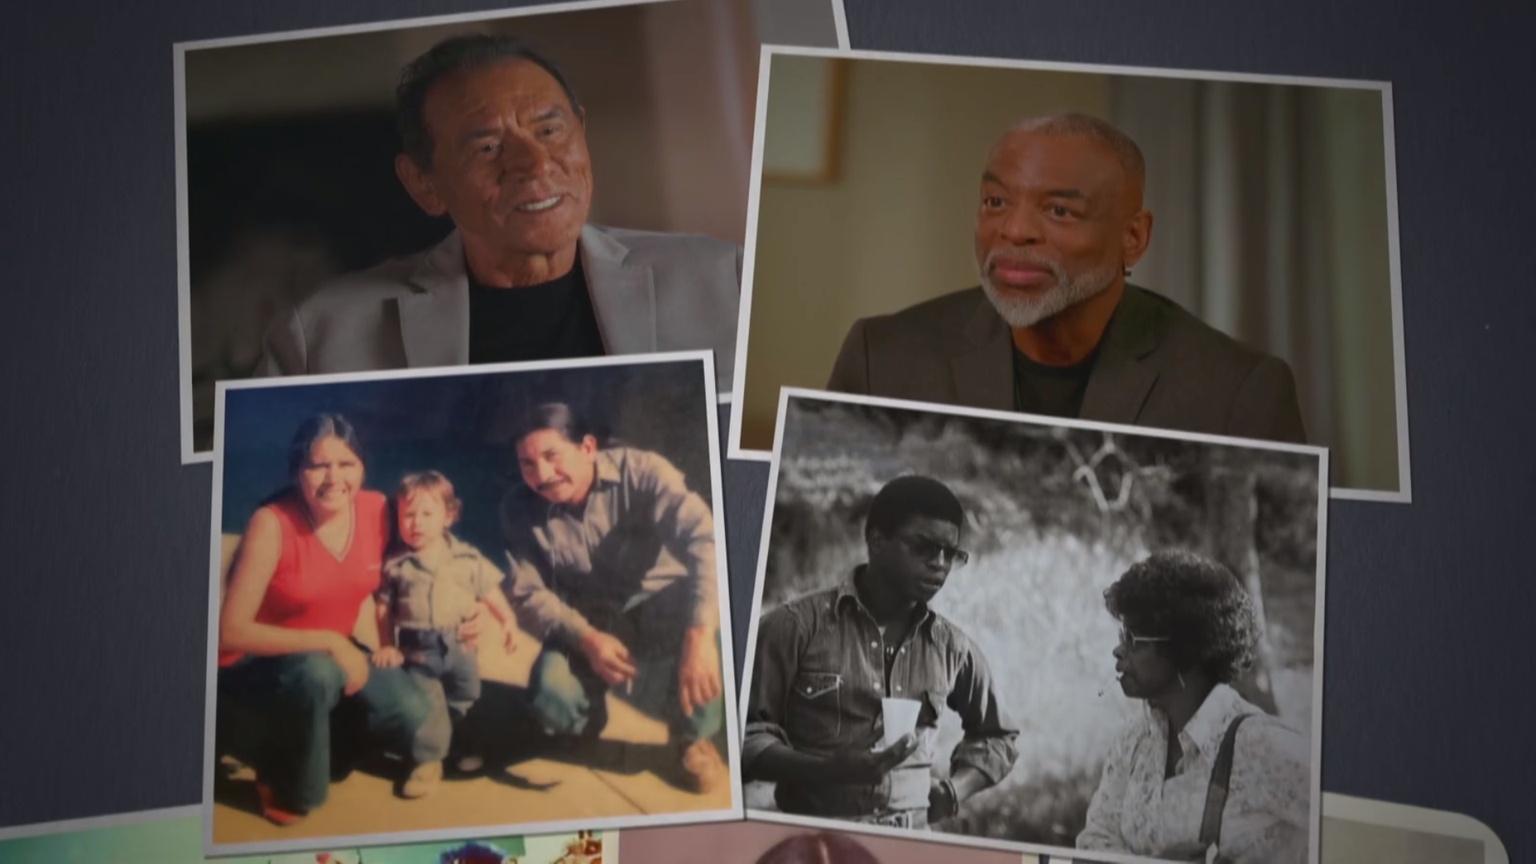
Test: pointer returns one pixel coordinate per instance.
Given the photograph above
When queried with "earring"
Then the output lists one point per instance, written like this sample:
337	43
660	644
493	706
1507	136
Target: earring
1181	680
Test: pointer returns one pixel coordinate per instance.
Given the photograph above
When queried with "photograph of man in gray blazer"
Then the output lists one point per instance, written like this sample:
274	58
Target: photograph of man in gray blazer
494	138
1054	328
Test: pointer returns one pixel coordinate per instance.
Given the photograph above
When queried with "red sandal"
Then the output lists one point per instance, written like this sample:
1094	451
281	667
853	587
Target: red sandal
271	811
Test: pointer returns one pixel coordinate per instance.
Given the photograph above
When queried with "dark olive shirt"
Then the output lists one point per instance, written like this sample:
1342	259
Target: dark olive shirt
819	677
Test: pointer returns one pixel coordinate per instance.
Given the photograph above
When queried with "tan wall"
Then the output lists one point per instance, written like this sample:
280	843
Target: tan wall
669	122
895	226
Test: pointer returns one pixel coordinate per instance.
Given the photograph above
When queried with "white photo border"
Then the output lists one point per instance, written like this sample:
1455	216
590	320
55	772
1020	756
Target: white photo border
786	394
1404	492
735	811
1405	817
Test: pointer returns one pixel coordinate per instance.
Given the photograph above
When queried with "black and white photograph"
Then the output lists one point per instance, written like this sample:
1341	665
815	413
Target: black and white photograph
1053	636
450	603
359	198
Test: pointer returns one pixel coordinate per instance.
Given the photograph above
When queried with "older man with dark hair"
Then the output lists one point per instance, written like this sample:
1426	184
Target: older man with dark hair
826	661
1054	328
493	137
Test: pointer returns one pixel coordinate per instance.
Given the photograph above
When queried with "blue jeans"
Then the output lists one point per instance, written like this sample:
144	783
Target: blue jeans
570	699
288	702
450	678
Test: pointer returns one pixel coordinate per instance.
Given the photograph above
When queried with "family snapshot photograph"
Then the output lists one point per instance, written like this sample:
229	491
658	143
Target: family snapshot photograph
449	603
1050	636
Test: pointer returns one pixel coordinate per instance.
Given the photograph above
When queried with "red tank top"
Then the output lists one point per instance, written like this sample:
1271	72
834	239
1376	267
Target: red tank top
312	589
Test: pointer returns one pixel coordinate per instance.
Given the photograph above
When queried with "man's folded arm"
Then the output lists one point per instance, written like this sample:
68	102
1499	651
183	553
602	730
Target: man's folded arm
988	745
686	527
778	653
538	608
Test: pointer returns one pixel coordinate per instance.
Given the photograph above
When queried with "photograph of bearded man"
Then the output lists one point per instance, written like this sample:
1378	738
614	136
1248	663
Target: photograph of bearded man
1055	328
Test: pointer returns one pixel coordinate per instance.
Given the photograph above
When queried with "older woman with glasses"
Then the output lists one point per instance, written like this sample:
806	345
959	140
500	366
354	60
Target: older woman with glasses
1204	775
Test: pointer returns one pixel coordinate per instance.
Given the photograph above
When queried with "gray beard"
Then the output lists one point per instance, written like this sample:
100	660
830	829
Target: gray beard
1021	311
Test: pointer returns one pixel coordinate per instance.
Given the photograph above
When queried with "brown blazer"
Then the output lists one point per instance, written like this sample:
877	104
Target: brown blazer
1158	365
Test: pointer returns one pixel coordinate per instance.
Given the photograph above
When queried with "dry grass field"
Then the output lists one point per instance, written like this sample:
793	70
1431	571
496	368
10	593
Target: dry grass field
1043	548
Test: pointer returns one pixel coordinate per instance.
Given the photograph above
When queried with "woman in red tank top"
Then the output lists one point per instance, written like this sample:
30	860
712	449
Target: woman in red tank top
308	558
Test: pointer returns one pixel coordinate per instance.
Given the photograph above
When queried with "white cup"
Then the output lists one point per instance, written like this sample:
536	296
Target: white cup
900	716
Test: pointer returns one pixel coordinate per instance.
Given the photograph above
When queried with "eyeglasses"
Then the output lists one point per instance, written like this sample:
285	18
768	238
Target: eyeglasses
926	548
1129	641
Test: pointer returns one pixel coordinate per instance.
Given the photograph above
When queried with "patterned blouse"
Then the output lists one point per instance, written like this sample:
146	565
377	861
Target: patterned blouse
1268	810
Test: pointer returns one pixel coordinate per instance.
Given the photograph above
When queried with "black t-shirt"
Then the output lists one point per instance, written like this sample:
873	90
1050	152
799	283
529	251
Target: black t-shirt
1056	391
547	321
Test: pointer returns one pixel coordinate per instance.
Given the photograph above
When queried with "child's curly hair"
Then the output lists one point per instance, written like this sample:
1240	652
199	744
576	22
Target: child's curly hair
433	482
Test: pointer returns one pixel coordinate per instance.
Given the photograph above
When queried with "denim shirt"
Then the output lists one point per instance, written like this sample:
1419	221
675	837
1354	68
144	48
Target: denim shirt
423	597
639	531
819	677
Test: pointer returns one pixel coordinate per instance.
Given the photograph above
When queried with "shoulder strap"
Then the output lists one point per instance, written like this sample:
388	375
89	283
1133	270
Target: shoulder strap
1221	781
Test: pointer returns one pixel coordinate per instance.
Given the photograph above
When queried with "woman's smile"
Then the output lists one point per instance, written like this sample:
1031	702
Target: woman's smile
332	475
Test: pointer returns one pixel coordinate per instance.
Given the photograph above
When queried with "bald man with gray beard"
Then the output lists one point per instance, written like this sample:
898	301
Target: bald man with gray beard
1054	328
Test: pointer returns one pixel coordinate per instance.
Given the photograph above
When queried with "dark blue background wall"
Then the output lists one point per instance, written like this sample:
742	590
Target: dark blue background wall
1428	681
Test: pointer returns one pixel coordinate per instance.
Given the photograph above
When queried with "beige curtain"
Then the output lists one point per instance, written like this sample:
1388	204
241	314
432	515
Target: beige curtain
1271	225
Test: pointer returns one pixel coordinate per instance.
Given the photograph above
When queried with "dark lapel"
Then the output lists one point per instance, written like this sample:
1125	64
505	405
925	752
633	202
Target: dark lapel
623	294
1123	375
434	321
982	366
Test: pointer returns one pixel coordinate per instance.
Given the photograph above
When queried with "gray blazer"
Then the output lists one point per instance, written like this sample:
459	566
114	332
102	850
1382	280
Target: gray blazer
1158	365
651	292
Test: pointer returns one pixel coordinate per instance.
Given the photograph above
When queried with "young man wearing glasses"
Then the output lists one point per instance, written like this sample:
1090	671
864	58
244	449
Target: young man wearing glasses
827	660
